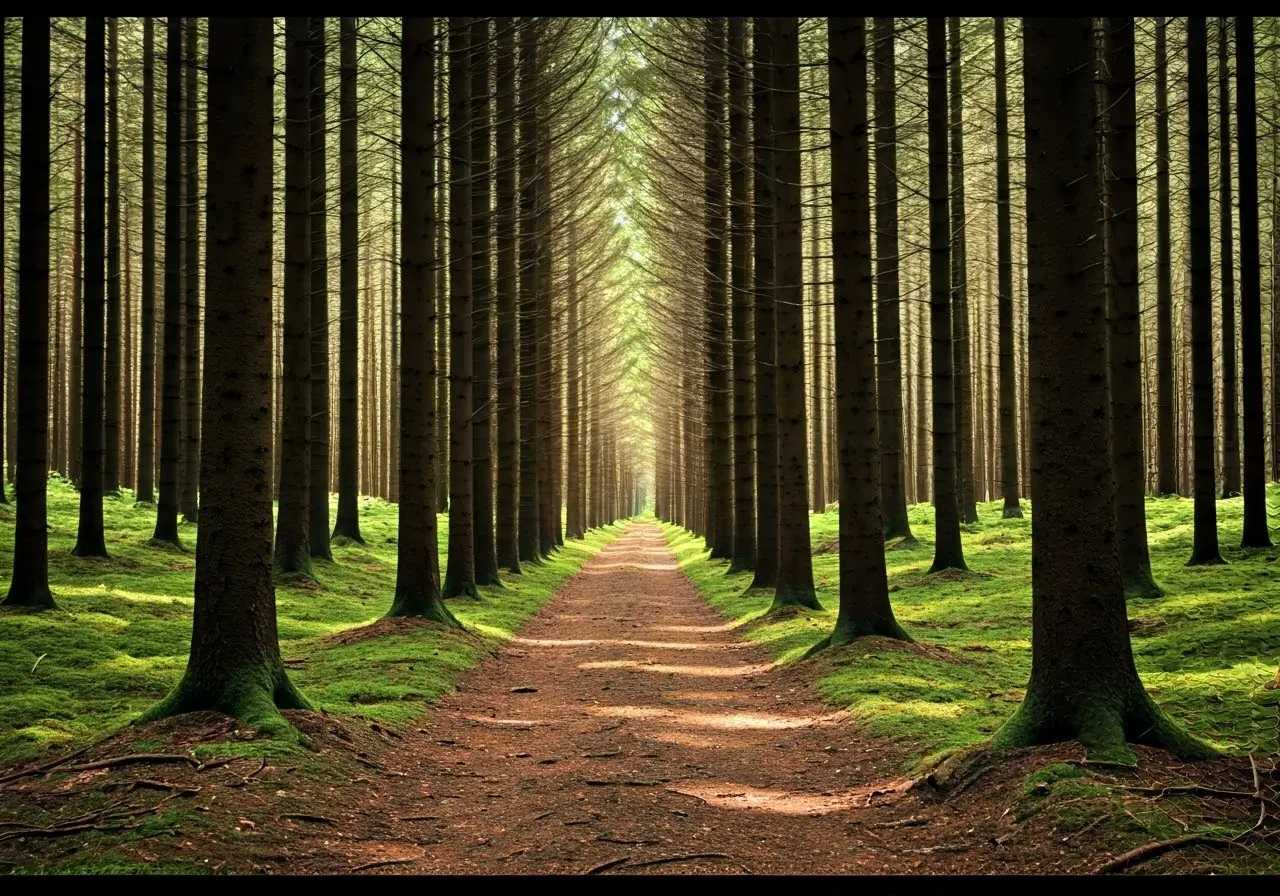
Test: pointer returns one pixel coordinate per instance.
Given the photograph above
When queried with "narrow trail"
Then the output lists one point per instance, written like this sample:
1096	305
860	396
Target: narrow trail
628	724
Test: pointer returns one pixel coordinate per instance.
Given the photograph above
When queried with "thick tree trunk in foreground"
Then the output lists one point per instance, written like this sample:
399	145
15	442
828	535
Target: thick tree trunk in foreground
417	557
166	531
795	560
1083	682
318	198
1004	262
346	523
888	341
235	664
765	332
90	538
29	585
1124	330
460	569
1256	534
1205	532
293	540
948	553
864	585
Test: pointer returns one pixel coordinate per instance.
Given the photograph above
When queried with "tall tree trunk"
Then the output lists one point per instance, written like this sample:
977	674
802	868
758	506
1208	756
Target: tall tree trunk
1004	263
189	498
417	557
764	331
1230	405
1124	321
818	338
235	664
1166	440
1205	536
145	489
4	332
460	571
507	508
744	479
346	524
318	199
573	401
442	271
719	455
76	393
166	531
528	536
962	380
888	340
111	394
1256	534
29	584
292	551
923	431
543	332
486	560
1083	685
948	553
90	538
795	562
864	586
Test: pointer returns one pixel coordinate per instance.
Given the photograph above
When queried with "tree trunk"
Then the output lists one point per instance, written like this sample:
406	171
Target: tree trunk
417	558
573	402
293	541
1230	406
460	571
189	498
864	586
318	197
1083	682
442	270
528	524
90	538
1004	262
764	331
507	508
1205	537
145	488
111	393
795	561
961	380
1124	321
1165	436
1256	534
542	332
486	561
347	521
948	553
4	332
29	584
235	664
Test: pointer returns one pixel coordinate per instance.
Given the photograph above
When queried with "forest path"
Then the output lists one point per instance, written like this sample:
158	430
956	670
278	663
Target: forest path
628	724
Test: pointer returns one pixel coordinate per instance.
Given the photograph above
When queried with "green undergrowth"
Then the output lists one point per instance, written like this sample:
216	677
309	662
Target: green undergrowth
119	639
1204	650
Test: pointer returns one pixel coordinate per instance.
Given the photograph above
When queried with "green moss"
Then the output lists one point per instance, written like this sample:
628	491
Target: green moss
108	863
1207	646
119	641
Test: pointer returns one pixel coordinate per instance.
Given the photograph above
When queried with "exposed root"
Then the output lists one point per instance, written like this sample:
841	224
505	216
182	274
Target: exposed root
1150	851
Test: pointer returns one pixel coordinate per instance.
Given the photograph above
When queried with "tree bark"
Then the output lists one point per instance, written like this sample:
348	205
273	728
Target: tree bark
318	198
90	537
948	551
864	586
235	665
1230	404
112	390
29	584
293	541
795	561
527	105
1004	262
460	571
189	497
507	508
146	476
962	379
1166	439
1083	685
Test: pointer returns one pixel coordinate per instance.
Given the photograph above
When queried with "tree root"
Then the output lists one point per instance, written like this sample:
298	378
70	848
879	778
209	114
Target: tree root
367	865
1149	851
43	767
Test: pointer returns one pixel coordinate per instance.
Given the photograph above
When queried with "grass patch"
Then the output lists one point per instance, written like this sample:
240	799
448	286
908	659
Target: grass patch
120	638
1204	650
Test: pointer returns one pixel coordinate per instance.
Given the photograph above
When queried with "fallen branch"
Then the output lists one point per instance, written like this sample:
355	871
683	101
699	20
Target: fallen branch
151	784
303	816
43	767
605	866
367	865
689	858
132	758
1191	790
420	818
653	783
244	782
1150	850
627	842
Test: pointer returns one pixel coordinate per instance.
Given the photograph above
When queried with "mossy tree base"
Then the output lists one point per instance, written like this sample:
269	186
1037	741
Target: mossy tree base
739	566
848	632
295	564
1140	585
452	590
343	540
253	696
1104	725
1012	510
35	598
1206	558
785	596
942	563
424	604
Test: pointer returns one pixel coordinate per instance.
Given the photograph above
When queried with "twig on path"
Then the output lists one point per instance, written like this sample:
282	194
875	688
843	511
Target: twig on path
303	816
605	866
914	821
1150	850
132	758
420	818
43	767
627	842
244	782
1257	792
367	865
152	784
689	858
652	783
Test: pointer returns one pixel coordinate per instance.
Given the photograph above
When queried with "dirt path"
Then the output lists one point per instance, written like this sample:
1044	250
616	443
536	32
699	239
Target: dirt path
628	723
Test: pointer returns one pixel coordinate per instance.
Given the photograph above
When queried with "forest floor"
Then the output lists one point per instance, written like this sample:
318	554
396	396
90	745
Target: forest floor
627	728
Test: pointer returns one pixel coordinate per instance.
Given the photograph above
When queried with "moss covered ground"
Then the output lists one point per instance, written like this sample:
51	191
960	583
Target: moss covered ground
1204	650
119	639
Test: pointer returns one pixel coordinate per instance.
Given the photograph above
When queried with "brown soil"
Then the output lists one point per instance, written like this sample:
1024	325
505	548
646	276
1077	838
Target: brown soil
626	730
